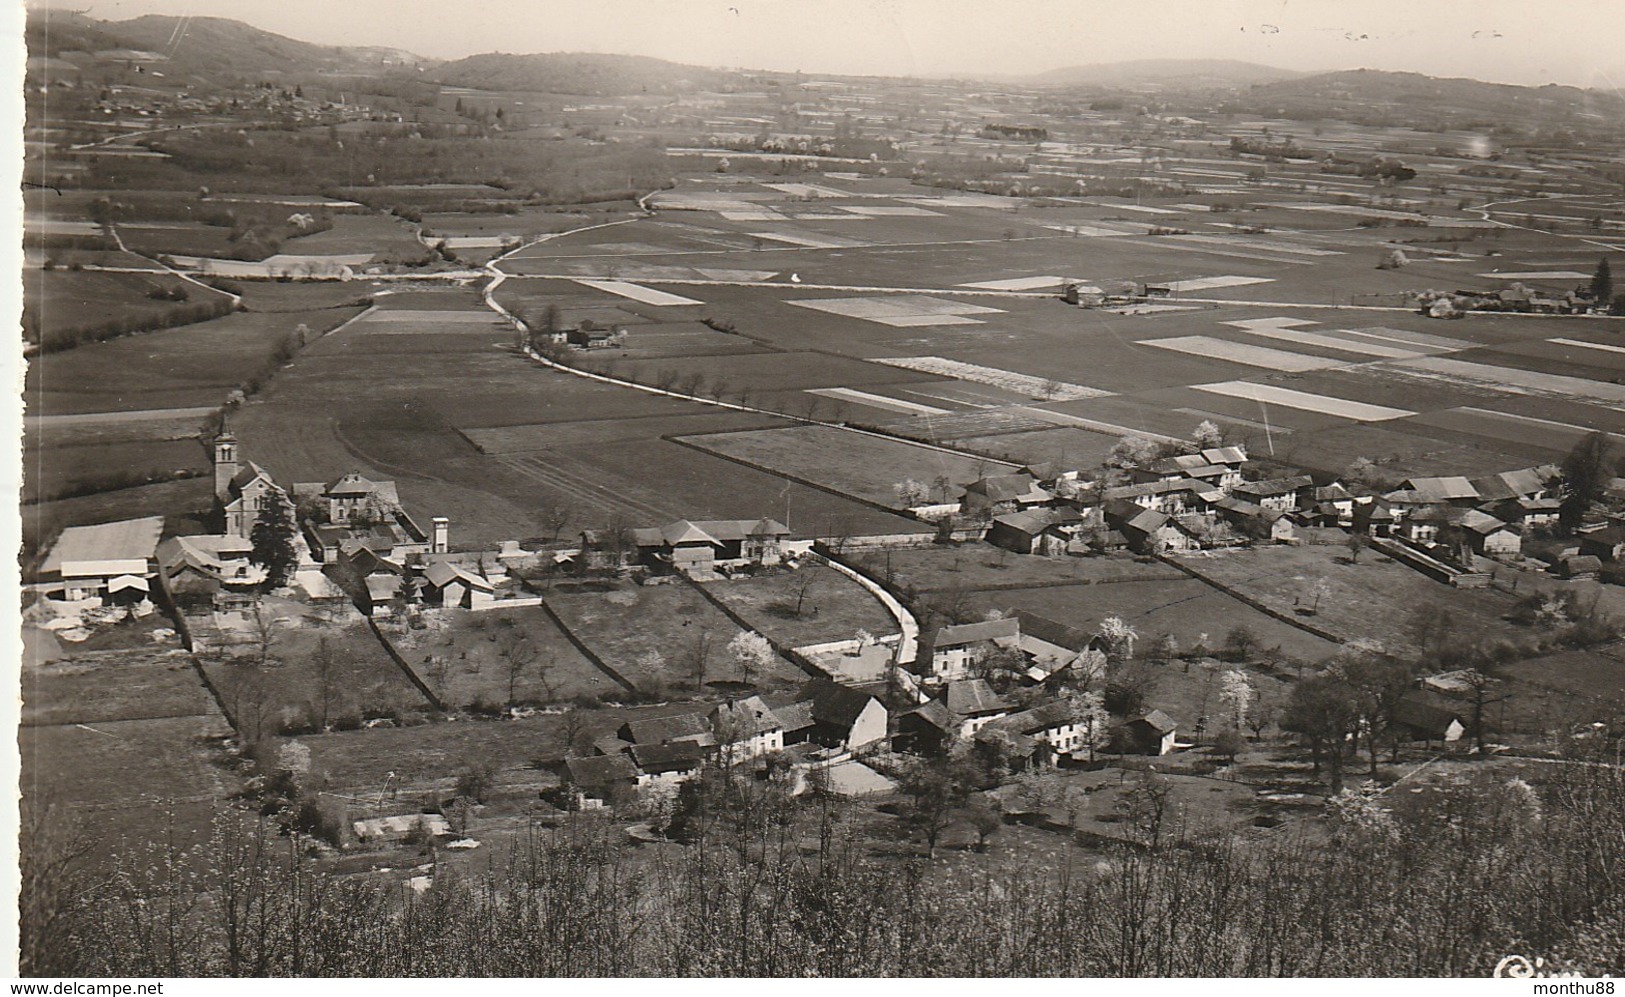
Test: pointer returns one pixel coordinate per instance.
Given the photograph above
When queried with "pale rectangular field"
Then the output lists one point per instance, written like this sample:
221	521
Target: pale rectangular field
647	295
1207	283
1538	275
1286	397
1090	231
878	401
1243	353
1335	340
1511	380
1016	283
1025	384
808	240
1589	346
891	210
427	315
1277	322
897	309
910	321
1410	338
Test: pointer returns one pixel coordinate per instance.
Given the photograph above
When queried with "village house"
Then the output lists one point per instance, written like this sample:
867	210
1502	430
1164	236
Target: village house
926	729
746	729
1579	566
1151	733
663	767
1219	468
1255	521
1053	649
1452	491
1172	498
1606	544
1537	482
1283	494
1051	724
973	704
1003	493
1375	518
451	586
107	563
1332	505
355	507
953	653
1149	531
1530	513
690	727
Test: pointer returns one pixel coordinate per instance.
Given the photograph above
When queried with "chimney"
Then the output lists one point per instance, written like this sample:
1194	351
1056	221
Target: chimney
441	541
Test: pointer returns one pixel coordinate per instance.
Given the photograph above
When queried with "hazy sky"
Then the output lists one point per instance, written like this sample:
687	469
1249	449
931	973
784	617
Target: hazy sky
1513	41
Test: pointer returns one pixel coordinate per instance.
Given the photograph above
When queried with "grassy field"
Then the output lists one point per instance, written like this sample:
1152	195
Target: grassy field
864	467
63	299
833	606
1560	692
1374	599
462	658
189	366
55	471
630	625
108	686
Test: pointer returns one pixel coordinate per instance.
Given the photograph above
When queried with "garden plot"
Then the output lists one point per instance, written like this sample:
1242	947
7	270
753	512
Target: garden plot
646	295
1511	380
1017	283
1341	407
901	310
1207	283
1338	340
1243	353
878	401
1026	384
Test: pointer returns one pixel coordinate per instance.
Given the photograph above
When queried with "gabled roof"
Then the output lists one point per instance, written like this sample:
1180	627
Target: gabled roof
125	540
833	704
670	757
1060	634
1275	486
685	532
795	716
1448	489
1046	470
1004	487
1334	492
1425	717
1225	455
1038	719
1157	720
970	633
973	697
768	528
442	573
1613	533
1036	521
1014	744
1201	488
658	730
1129	516
1481	523
597	771
749	716
247	474
352	485
932	712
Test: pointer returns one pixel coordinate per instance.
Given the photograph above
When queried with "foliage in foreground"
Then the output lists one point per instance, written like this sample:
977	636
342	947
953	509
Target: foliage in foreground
1441	885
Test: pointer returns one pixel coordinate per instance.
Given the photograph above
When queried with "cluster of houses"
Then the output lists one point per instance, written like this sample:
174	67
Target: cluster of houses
699	548
1204	500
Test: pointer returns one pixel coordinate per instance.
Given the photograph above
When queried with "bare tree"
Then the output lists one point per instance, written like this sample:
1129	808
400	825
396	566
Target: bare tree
327	679
689	384
1146	806
556	517
699	656
262	632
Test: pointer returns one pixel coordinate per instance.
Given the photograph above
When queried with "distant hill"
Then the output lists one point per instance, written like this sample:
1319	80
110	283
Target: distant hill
1181	74
205	46
579	73
1367	96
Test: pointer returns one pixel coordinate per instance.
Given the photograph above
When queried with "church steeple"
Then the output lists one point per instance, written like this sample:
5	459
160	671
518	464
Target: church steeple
225	465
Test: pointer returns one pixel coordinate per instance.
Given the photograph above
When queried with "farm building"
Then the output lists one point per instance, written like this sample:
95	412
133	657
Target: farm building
1217	468
1415	719
1015	751
1375	518
1455	491
925	729
1052	648
973	704
1579	566
1052	724
1606	544
1049	532
209	571
1489	536
1529	511
1256	521
1147	530
1149	734
704	546
840	717
1172	498
112	562
747	728
596	780
664	767
692	727
451	586
1004	493
952	653
1529	483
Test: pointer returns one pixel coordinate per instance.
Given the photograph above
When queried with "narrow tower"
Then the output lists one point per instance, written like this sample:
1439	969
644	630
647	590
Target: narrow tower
225	466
